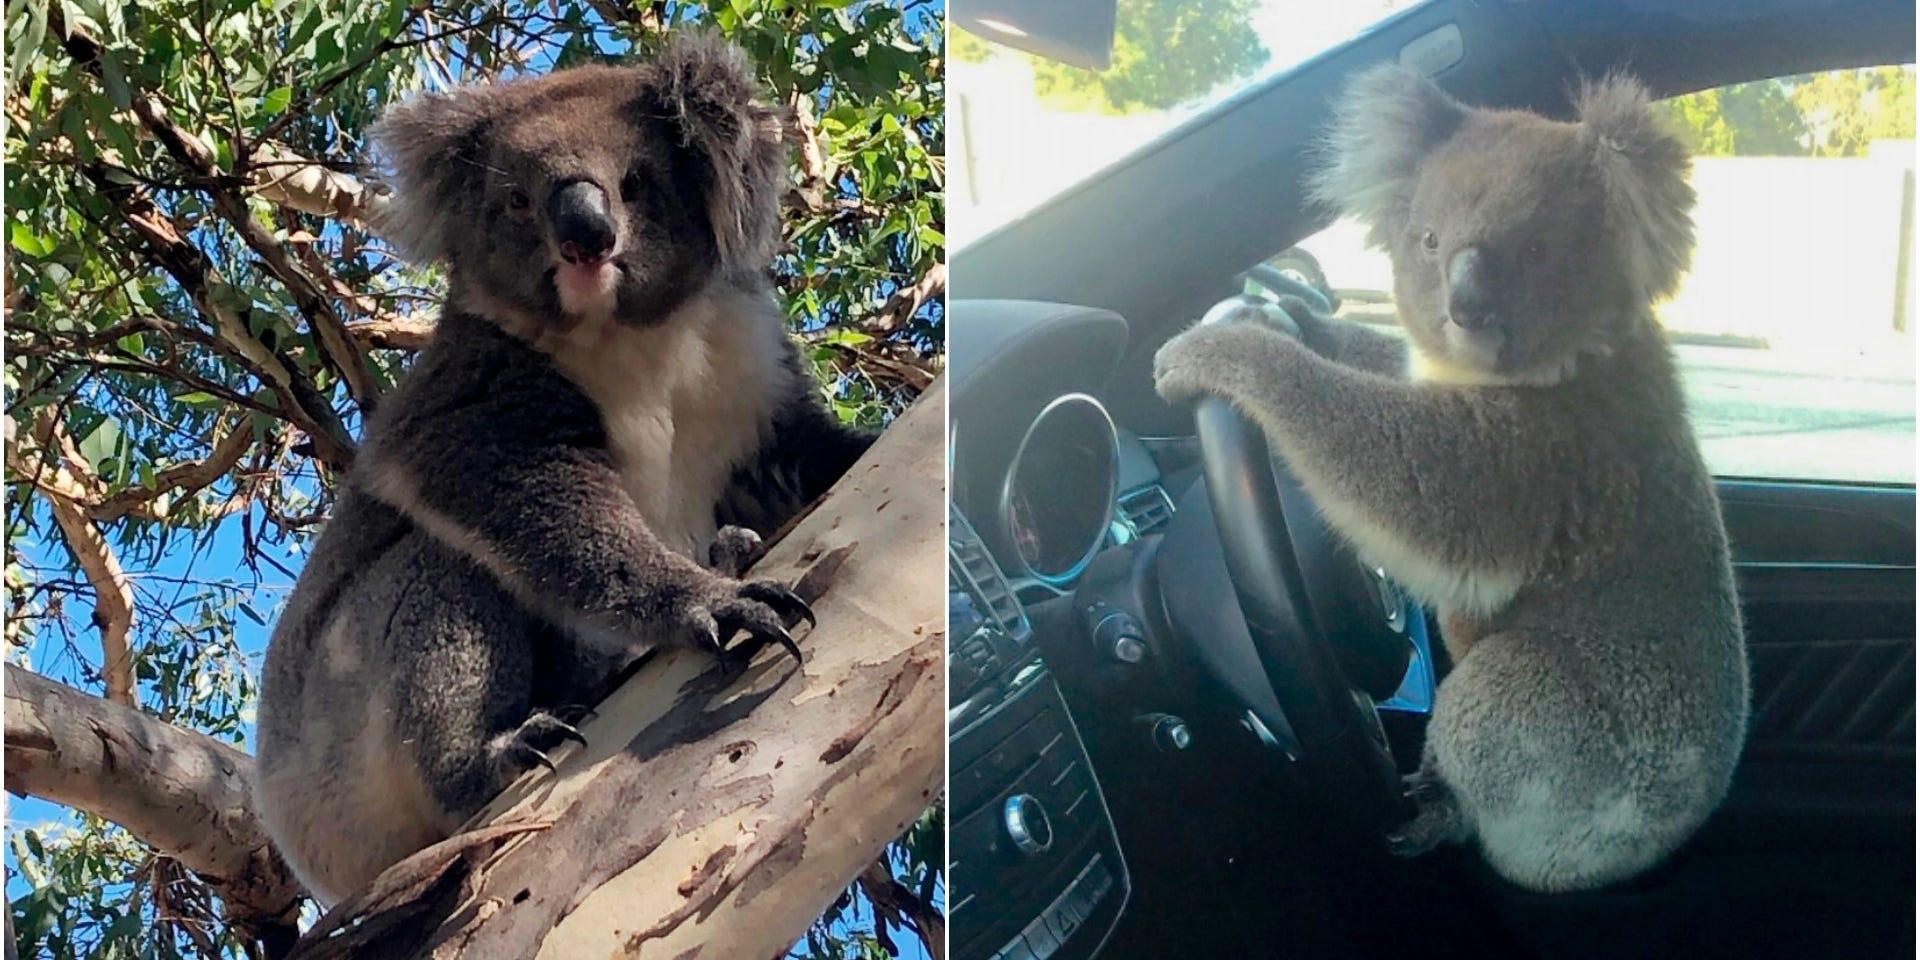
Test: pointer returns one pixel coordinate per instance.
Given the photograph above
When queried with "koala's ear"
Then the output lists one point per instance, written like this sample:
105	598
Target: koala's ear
429	145
710	91
1644	167
1385	123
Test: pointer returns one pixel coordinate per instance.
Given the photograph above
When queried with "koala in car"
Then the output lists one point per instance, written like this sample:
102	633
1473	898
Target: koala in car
1521	461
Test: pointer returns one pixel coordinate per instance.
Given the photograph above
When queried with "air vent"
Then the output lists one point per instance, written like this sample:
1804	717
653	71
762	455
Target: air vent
973	571
1146	510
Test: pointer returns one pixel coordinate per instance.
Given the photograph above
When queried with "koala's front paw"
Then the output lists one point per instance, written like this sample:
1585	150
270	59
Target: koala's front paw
733	550
1210	359
763	609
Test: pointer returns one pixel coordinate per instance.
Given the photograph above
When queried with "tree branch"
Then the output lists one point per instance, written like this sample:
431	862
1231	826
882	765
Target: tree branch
183	793
906	301
893	903
112	589
393	334
281	176
300	403
321	316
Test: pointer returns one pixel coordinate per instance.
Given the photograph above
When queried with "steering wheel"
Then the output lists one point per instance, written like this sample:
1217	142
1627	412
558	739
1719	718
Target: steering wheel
1279	283
1339	734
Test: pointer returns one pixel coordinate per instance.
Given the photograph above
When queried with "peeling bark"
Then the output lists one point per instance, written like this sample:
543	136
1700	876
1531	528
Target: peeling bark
717	815
183	793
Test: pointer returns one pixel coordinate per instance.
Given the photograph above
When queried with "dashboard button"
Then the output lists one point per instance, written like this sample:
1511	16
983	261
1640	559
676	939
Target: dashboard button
1063	919
1018	950
1027	825
1041	939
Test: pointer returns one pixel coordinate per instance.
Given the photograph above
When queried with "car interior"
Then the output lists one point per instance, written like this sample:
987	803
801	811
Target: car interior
1179	704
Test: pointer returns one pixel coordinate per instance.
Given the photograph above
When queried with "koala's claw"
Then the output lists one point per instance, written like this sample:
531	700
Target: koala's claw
544	730
1438	820
530	757
760	622
782	599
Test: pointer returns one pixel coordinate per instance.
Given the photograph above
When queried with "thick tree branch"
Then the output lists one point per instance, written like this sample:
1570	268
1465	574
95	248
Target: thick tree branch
811	192
188	478
183	793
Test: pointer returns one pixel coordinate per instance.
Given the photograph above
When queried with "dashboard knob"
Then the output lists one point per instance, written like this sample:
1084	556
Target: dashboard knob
1119	637
1027	825
1170	733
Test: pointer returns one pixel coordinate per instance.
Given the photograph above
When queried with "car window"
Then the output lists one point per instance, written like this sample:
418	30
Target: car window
1027	128
1794	327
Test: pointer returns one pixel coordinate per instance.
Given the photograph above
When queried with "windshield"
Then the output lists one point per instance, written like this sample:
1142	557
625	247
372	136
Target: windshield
1029	128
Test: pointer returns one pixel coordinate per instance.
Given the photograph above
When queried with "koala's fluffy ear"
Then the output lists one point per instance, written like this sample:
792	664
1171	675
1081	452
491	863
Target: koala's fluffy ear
1385	123
429	144
708	88
1645	170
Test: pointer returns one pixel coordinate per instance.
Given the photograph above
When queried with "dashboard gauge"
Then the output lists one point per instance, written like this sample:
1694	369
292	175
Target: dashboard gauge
1057	501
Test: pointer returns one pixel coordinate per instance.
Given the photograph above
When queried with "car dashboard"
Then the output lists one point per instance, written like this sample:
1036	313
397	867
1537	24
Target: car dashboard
1088	578
1036	864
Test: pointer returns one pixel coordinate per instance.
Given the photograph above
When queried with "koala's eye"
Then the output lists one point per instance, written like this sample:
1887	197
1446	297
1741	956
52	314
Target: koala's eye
517	199
1430	241
633	184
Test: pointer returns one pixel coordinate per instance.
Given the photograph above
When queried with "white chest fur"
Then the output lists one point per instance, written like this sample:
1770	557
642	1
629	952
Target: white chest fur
686	401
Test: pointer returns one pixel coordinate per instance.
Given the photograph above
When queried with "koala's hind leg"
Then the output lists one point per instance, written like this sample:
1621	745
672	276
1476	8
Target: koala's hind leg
465	699
1437	820
1558	765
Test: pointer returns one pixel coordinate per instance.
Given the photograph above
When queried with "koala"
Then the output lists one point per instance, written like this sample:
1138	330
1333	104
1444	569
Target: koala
610	397
1522	463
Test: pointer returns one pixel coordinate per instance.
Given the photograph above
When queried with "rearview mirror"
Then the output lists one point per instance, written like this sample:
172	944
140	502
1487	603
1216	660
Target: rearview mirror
1075	32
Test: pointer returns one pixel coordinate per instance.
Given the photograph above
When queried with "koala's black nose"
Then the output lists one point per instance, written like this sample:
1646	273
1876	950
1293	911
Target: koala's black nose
582	224
1470	290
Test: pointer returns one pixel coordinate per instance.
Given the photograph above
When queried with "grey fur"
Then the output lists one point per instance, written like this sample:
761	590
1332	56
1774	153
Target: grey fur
525	514
1539	484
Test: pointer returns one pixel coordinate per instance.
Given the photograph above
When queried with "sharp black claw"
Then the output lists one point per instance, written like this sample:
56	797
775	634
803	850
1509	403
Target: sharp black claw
540	758
710	639
789	605
806	612
785	640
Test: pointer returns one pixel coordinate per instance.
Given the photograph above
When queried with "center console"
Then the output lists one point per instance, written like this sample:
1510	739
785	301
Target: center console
1034	865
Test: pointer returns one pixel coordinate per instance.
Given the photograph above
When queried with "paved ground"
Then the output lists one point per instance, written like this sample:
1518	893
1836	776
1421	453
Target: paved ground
1768	413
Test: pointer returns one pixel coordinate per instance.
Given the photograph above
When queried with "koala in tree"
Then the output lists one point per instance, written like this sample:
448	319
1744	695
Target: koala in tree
1526	468
610	391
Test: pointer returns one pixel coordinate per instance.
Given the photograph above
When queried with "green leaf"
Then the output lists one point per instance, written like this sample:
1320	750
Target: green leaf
276	101
114	78
252	614
103	443
30	243
31	18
